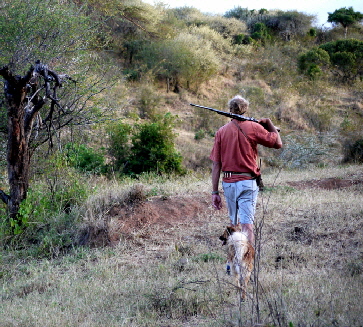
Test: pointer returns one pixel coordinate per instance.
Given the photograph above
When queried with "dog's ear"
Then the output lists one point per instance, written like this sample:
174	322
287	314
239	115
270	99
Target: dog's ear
230	230
224	237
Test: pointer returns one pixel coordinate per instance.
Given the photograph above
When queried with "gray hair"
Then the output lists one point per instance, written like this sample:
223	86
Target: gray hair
238	105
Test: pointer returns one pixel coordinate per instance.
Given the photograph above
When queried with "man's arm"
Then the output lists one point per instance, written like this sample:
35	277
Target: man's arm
216	171
267	124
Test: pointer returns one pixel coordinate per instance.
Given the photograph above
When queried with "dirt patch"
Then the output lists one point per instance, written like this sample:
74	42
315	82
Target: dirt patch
155	215
326	183
146	218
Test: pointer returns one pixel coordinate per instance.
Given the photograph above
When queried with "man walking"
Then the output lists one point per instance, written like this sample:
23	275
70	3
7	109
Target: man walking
235	154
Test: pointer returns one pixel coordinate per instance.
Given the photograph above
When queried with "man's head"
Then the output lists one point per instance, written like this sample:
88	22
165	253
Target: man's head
238	105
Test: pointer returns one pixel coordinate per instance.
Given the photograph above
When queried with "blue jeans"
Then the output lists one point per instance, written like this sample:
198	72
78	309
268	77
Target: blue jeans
241	199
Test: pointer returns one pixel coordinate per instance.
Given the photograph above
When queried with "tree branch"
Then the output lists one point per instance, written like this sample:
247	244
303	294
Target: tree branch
4	197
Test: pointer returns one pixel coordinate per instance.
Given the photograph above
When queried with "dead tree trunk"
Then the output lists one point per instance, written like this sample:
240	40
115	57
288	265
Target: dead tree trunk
23	102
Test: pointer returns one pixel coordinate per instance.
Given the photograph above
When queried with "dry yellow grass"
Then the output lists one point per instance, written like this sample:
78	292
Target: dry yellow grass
309	267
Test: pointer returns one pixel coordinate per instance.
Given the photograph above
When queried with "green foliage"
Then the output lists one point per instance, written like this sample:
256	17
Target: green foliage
310	63
199	134
260	33
84	158
151	148
343	57
346	57
242	39
353	151
185	59
227	27
217	41
312	32
33	29
209	257
48	216
346	17
119	148
149	101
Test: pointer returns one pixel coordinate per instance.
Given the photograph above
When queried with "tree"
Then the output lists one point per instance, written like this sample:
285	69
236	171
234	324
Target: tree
25	97
344	58
345	17
183	61
40	102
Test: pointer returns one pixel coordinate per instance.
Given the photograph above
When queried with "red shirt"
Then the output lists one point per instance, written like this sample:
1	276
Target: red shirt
235	152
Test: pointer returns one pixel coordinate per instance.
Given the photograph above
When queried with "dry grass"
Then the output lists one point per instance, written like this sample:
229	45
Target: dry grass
309	268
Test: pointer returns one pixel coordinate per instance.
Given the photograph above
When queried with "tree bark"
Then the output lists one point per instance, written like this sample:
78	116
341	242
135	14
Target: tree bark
23	105
18	156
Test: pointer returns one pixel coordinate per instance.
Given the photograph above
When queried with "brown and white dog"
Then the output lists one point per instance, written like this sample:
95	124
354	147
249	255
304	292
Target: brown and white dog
240	254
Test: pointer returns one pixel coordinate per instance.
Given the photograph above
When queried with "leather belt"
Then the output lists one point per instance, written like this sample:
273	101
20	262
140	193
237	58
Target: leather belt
228	174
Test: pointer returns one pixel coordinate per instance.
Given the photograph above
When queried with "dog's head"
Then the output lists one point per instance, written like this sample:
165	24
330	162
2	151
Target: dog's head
227	232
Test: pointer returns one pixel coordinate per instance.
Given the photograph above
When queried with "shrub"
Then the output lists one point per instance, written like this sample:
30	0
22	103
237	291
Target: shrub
303	151
310	62
120	147
188	60
151	148
260	33
199	134
48	218
84	158
149	102
353	152
342	57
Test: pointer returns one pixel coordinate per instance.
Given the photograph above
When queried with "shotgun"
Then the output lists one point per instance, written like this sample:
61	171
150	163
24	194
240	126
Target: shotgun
230	114
227	114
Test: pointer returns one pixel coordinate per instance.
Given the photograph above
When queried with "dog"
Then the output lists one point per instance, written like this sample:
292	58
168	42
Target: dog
240	254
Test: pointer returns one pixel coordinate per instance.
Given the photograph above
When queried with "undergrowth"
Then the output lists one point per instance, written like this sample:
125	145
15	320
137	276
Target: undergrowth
309	264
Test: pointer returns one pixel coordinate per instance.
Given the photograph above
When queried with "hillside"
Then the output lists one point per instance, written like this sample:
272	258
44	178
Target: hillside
116	227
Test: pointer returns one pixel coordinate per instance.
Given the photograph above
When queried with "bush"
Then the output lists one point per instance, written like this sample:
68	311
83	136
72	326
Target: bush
342	57
260	33
84	158
186	61
353	152
310	62
120	147
151	148
346	57
149	102
48	217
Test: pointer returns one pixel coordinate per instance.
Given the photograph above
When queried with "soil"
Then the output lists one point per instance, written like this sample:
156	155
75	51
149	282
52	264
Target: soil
162	213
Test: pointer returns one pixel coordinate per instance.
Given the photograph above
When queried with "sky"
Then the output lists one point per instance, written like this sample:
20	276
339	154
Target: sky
320	8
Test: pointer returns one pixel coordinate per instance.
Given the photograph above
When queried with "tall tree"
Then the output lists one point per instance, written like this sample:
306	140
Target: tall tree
25	97
345	17
38	103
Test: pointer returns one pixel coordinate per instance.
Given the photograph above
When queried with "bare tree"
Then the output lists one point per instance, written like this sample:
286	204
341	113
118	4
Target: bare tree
34	114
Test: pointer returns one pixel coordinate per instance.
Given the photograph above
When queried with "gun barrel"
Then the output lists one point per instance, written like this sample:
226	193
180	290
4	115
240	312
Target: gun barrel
227	114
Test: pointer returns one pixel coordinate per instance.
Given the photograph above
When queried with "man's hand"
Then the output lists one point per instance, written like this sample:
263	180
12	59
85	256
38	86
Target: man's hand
267	124
217	201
